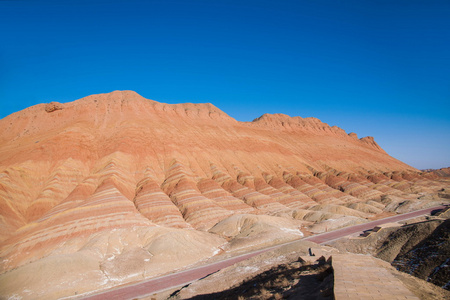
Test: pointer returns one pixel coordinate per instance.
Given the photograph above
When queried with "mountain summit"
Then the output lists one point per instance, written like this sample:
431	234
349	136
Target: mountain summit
197	134
118	187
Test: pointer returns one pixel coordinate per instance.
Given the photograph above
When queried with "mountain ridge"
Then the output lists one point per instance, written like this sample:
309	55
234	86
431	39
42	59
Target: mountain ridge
115	178
129	107
200	110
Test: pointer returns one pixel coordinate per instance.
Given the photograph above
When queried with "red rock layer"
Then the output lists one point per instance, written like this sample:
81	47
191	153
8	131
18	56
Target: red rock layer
212	190
381	179
95	126
107	208
320	196
262	187
13	201
248	195
353	188
202	213
118	188
57	187
299	200
319	184
415	180
155	205
435	174
385	189
74	169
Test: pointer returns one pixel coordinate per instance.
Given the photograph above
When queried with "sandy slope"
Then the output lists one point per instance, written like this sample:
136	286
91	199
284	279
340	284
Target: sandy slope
119	188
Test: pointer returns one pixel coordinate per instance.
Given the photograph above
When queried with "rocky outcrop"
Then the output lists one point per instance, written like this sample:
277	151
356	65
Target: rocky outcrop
369	140
52	106
201	212
155	205
299	200
311	191
319	184
249	195
119	188
212	190
352	188
443	172
430	258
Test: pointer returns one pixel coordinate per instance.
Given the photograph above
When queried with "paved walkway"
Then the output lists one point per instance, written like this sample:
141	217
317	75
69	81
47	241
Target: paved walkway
360	277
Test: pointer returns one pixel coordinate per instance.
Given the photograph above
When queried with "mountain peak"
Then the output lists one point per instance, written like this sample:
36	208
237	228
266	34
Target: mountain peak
144	188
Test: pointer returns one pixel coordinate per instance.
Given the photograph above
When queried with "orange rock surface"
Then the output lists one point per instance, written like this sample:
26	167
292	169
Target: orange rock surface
76	177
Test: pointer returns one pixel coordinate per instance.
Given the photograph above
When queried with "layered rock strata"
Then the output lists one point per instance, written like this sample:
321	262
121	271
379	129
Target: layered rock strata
121	188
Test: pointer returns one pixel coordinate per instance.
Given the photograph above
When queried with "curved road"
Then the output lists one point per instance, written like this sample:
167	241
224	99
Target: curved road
153	285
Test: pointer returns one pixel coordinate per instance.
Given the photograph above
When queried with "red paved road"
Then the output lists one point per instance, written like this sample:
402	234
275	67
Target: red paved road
337	234
152	286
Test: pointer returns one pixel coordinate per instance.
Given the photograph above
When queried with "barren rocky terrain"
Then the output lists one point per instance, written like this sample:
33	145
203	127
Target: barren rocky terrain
120	188
291	273
419	247
279	274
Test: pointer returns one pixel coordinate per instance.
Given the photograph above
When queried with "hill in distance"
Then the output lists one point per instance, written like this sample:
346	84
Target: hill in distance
119	188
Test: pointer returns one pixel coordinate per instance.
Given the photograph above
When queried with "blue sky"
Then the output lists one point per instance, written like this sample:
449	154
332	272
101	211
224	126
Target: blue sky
379	68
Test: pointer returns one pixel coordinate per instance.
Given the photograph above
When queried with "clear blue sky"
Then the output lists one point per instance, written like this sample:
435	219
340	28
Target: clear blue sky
379	68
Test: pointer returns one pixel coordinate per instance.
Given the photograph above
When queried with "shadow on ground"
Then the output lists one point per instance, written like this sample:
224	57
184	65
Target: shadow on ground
296	280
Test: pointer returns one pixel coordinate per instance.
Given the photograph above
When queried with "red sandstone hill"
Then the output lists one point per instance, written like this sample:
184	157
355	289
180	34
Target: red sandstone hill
119	187
443	172
96	126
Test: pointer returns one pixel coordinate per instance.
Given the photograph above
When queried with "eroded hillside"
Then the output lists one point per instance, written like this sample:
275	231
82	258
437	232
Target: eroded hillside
121	188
